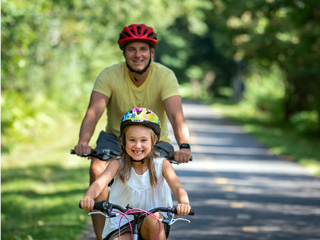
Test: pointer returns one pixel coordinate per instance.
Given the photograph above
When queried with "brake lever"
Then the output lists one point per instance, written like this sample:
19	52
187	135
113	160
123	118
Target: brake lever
106	215
98	212
173	220
173	162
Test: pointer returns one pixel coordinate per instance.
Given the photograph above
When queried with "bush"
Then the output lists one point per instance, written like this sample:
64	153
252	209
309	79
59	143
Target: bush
305	122
23	120
264	91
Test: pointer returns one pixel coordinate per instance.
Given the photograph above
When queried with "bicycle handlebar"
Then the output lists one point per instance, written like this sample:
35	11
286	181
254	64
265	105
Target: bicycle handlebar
103	154
106	206
107	154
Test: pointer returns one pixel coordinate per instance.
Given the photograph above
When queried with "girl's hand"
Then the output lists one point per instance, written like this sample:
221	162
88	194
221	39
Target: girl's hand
183	209
87	204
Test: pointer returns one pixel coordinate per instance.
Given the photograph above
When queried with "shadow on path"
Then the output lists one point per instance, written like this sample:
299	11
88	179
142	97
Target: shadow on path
239	190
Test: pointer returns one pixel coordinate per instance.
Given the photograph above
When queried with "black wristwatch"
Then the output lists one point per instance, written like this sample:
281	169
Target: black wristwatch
185	145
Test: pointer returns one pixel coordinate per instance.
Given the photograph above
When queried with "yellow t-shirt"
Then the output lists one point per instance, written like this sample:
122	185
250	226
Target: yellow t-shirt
115	83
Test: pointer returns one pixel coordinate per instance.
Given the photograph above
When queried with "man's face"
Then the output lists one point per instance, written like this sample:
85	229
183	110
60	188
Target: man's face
137	55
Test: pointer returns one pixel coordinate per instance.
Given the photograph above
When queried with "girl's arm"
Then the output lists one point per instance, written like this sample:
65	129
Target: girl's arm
176	187
87	202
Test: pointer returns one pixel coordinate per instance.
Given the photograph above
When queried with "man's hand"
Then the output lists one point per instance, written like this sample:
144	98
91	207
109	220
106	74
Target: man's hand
81	149
183	155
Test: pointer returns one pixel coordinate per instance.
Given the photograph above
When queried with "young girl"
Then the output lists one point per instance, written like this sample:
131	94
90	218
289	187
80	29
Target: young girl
141	179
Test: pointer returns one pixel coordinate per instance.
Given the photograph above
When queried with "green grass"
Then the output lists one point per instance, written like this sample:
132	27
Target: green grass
279	138
41	187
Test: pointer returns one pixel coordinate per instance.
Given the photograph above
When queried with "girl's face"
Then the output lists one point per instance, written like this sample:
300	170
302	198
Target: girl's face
138	142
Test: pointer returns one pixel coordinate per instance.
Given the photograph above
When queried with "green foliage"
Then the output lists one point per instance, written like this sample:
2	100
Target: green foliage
286	33
21	118
305	122
25	120
265	91
53	51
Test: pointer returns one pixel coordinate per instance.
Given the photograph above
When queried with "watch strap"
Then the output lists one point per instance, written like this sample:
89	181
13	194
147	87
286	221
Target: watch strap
185	145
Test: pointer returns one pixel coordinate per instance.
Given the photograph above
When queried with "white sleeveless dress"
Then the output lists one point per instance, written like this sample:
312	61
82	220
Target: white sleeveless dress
139	194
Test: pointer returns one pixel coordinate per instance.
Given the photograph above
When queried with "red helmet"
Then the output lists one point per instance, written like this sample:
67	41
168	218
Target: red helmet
137	32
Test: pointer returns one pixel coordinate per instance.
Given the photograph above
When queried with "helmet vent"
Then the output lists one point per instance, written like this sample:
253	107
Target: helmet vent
124	35
145	32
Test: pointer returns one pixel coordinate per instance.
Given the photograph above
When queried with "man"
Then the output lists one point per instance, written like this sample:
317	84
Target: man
137	82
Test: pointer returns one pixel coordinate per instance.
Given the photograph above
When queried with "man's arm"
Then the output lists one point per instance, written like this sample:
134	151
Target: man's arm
173	107
97	105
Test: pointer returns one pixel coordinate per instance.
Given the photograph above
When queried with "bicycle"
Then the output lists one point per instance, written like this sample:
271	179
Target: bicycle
106	155
109	209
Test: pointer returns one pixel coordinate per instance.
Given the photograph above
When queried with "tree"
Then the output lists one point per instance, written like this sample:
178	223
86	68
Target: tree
286	33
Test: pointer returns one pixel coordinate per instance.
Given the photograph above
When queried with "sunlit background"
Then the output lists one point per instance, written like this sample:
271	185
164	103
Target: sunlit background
259	59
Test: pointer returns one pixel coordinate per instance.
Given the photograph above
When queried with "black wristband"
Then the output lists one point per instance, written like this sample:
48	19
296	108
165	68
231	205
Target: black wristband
184	145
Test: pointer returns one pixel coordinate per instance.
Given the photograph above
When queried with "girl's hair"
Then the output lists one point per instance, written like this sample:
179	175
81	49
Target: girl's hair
125	162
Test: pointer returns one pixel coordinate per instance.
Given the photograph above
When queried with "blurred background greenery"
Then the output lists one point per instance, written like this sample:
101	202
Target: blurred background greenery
257	61
52	52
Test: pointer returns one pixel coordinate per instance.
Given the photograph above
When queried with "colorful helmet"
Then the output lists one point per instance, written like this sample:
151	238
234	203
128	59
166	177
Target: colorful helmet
141	116
137	32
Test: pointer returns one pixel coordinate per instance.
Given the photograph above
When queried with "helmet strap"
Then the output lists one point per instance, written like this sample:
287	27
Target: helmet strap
140	161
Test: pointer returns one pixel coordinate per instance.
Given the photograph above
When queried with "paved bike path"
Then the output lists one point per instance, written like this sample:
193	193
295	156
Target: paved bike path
239	190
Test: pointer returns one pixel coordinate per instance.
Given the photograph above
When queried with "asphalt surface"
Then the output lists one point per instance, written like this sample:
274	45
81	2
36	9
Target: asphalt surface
239	190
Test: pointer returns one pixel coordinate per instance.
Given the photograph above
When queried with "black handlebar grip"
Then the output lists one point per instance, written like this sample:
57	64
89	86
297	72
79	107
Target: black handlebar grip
191	211
170	156
98	206
102	206
93	151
